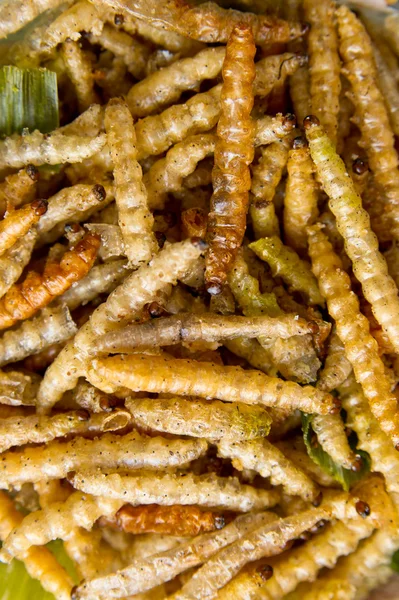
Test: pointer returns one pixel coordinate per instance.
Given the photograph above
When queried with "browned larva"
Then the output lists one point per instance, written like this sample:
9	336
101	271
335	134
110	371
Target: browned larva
36	291
167	520
234	152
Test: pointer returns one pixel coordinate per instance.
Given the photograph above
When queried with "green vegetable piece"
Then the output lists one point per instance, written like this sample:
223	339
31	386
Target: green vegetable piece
345	477
28	100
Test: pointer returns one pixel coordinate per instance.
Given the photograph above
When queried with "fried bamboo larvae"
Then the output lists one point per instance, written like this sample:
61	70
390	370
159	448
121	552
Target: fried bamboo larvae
90	122
166	520
18	388
157	133
134	54
389	89
353	223
377	34
180	488
267	460
356	165
51	148
18	222
371	113
358	573
266	176
18	188
295	450
285	263
353	329
234	151
92	555
53	325
371	438
36	291
337	367
187	328
331	435
71	204
391	31
101	279
80	72
134	217
322	551
267	540
166	174
51	491
212	420
17	431
145	573
253	353
110	451
82	16
165	86
299	81
141	287
90	398
40	563
57	521
15	259
324	64
345	114
295	358
187	377
208	22
15	15
174	42
301	196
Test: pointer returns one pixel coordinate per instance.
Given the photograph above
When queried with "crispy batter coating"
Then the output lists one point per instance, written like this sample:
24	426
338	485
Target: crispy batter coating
324	63
34	429
133	53
285	263
371	113
301	196
23	300
266	176
72	205
80	71
212	420
47	148
337	367
15	259
110	451
294	358
167	489
82	16
18	222
186	328
267	460
58	520
267	540
18	188
112	244
165	520
134	217
188	377
354	331
18	388
51	326
40	563
234	152
145	573
207	22
121	306
165	86
353	224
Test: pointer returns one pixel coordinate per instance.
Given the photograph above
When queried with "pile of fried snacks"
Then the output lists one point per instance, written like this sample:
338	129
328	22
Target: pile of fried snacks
199	310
